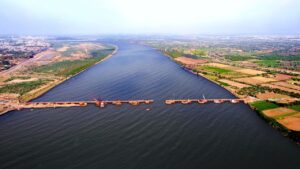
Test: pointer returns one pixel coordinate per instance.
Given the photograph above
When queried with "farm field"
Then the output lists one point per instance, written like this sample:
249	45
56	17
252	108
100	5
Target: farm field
272	91
273	86
291	122
234	84
237	69
255	80
279	112
263	105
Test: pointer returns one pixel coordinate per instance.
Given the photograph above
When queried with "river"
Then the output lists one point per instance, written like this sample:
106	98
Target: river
209	136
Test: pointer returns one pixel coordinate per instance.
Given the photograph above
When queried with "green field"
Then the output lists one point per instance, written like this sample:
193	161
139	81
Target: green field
199	52
223	83
279	57
268	63
174	54
263	105
295	107
17	77
216	70
21	88
70	68
238	57
67	68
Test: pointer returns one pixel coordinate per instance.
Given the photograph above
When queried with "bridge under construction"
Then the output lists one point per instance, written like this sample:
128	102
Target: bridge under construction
9	106
99	103
203	101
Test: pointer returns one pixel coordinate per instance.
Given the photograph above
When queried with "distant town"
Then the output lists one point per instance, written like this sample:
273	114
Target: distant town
14	50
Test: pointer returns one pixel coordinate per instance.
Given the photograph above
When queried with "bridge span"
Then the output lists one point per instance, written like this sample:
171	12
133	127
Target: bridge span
9	106
203	101
56	104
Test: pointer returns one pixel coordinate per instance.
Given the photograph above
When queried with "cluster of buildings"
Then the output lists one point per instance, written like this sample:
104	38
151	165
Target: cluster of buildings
16	49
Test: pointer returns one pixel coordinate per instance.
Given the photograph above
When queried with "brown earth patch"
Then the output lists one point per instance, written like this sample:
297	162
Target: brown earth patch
221	66
250	71
291	122
271	95
190	61
21	80
282	77
235	84
281	88
288	85
237	69
255	80
9	96
89	46
278	111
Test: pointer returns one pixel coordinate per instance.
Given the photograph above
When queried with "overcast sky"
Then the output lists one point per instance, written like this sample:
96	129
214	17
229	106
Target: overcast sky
149	16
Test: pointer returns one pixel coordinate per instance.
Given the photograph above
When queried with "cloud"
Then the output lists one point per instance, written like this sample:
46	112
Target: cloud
150	16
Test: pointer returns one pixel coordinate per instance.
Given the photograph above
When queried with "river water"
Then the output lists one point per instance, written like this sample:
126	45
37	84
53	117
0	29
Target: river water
209	136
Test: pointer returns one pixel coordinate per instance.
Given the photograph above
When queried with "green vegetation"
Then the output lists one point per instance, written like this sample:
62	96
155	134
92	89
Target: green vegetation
285	115
68	68
174	54
216	69
211	77
279	57
296	78
199	52
253	90
21	88
238	57
295	107
195	54
263	105
268	63
17	77
223	83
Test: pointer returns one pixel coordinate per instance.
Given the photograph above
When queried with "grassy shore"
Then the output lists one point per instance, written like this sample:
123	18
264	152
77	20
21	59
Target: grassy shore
69	68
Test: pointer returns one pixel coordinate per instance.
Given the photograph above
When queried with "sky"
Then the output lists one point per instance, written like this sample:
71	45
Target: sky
86	17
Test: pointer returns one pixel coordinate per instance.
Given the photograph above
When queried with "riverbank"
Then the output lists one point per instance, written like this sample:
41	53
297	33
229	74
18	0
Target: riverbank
46	89
292	134
31	95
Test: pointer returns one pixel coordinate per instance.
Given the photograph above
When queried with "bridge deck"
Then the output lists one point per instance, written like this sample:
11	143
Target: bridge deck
102	103
75	103
203	101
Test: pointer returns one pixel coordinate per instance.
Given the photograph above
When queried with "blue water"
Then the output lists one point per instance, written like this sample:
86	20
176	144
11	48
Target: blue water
193	136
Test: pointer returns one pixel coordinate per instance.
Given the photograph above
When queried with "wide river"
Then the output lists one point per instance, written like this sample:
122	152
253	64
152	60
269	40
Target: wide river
211	136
